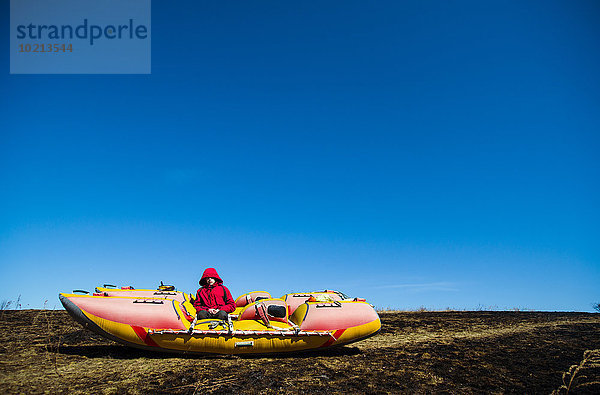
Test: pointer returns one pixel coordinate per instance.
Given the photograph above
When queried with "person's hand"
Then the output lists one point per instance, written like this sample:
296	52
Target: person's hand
213	311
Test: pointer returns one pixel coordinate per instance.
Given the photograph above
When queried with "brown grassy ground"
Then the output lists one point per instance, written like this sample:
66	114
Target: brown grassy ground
456	352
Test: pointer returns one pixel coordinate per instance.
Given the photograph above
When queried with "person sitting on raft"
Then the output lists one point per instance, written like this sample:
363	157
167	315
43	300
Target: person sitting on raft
213	299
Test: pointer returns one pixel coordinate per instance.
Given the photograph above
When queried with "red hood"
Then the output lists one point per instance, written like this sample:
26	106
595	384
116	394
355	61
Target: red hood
210	272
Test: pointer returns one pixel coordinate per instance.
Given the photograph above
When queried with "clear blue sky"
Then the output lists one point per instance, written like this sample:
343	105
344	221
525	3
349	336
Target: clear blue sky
437	154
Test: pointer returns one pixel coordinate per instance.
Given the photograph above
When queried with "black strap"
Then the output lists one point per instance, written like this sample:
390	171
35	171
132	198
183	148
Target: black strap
261	311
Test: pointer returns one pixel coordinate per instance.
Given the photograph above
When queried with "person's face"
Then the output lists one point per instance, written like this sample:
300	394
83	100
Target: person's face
210	281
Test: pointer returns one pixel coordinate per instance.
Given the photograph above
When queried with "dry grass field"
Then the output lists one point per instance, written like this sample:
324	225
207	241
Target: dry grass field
458	352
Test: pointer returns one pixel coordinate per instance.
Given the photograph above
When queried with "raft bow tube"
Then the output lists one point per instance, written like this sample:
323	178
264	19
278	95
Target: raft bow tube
142	293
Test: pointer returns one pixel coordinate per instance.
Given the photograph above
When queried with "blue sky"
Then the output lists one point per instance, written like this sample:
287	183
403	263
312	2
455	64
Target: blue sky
436	154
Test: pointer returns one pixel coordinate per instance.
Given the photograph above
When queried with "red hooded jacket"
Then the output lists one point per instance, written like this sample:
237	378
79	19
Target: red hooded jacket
215	296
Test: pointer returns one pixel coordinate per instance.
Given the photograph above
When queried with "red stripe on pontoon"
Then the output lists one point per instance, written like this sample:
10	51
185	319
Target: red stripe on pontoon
142	334
336	335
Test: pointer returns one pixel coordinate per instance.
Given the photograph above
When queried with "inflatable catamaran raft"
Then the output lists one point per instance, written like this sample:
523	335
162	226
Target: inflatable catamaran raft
164	320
